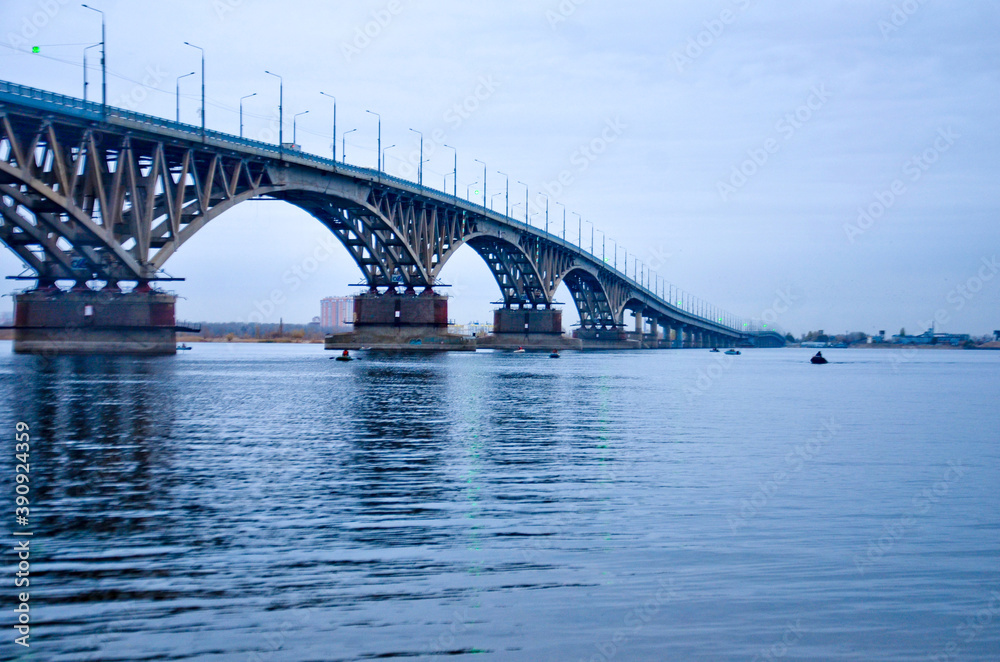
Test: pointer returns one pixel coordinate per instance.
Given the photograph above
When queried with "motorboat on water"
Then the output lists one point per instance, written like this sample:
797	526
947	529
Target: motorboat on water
818	359
346	356
182	346
733	352
554	354
714	349
519	350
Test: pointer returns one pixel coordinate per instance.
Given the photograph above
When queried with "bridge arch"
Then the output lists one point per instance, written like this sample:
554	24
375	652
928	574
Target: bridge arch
593	299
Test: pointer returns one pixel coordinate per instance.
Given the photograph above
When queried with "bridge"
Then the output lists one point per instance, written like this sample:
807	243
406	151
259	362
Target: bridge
94	193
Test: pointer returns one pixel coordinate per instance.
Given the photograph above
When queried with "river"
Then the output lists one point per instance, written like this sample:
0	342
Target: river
245	502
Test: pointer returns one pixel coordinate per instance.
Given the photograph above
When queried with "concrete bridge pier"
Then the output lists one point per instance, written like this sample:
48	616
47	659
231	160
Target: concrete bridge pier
678	336
50	321
394	321
533	328
654	333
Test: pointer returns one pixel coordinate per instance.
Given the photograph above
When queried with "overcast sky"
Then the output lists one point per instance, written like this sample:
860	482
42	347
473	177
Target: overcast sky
733	145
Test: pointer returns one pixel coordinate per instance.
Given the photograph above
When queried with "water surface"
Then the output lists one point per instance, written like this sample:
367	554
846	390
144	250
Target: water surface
261	502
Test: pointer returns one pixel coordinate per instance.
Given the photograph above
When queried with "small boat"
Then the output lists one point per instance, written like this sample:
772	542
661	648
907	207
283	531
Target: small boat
818	359
554	354
733	352
714	349
182	346
344	357
519	350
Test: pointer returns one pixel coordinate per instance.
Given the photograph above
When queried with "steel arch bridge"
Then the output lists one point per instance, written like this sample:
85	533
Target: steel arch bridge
89	192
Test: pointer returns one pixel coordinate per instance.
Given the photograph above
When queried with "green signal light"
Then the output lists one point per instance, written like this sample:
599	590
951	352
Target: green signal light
477	191
36	49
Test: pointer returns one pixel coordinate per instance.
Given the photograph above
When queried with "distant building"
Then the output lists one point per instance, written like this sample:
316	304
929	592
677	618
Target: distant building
928	337
474	329
336	314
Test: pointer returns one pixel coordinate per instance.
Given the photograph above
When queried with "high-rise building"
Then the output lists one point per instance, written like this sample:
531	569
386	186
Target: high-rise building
336	314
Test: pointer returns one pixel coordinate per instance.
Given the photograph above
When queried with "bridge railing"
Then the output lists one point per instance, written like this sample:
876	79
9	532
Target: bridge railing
95	111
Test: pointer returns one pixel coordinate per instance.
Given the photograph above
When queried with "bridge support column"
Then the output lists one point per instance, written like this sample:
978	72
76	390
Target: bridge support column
528	327
50	322
654	333
400	321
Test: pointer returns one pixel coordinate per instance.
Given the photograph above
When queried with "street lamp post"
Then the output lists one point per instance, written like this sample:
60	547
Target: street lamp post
343	145
507	191
564	220
491	199
202	86
177	109
383	154
467	188
526	220
334	124
295	118
281	110
484	181
378	156
454	173
579	230
603	246
615	258
85	68
241	111
420	168
104	62
546	212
